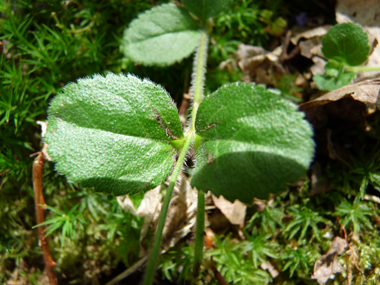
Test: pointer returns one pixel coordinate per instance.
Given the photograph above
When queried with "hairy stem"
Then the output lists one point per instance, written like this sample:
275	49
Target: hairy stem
199	236
199	76
149	274
197	90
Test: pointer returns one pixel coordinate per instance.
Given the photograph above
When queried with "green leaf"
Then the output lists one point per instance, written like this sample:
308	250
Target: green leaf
333	68
249	143
205	9
330	83
346	43
115	133
161	36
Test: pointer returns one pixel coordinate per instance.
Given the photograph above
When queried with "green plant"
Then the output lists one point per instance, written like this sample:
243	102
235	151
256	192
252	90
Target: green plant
345	46
269	218
299	259
237	262
69	220
303	218
355	214
121	135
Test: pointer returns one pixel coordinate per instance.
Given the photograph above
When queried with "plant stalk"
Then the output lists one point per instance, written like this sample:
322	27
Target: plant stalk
199	235
199	78
151	268
357	69
197	90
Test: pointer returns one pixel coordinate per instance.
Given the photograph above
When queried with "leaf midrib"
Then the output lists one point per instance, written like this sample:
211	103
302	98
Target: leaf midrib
153	37
124	135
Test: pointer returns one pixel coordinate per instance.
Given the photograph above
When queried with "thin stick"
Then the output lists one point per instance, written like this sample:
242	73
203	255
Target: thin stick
353	253
217	274
129	271
39	202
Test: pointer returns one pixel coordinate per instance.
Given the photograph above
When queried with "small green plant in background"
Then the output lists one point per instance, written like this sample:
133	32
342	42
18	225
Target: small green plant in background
345	46
69	220
121	135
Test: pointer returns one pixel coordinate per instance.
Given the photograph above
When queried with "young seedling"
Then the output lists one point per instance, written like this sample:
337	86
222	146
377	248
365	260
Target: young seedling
345	46
122	135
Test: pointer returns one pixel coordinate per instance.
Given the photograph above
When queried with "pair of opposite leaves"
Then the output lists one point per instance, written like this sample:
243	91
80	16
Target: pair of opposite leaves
120	135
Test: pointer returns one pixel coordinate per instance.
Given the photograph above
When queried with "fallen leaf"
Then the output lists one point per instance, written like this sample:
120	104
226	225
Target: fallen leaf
181	216
311	47
366	13
258	64
149	208
234	212
367	92
309	34
318	66
328	265
352	102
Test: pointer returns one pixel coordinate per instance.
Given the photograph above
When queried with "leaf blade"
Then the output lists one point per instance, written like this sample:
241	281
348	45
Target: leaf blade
161	36
117	146
346	43
250	135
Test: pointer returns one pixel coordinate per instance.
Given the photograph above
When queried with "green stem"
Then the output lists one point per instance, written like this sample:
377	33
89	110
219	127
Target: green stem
199	236
357	69
198	83
198	80
148	279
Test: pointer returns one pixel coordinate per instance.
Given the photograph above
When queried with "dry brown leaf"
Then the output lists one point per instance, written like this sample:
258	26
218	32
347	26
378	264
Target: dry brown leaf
319	65
367	92
311	47
181	215
366	13
234	212
149	208
352	102
328	265
310	44
309	34
258	64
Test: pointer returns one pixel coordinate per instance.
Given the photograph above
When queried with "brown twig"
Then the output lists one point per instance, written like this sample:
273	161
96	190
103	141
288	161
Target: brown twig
285	44
217	274
353	253
39	202
129	271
